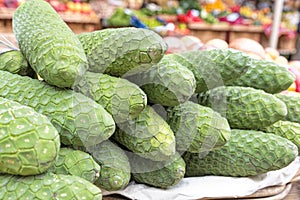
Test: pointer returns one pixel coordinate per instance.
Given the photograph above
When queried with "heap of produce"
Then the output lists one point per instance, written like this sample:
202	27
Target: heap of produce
144	116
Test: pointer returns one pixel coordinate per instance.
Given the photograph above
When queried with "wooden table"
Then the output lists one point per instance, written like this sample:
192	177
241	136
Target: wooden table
77	22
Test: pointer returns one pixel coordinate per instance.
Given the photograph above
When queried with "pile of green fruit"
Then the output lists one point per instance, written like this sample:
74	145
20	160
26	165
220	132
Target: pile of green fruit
84	113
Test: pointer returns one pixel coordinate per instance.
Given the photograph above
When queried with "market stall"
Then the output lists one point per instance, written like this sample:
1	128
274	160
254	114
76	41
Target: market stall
78	15
226	20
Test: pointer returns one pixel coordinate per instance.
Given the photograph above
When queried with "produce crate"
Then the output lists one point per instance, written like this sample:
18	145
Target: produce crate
77	22
251	32
5	20
207	32
287	45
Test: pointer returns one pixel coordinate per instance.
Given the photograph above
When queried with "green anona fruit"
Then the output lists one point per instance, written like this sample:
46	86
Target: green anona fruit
215	67
244	107
14	62
266	75
48	186
285	129
77	163
197	128
167	83
29	143
160	174
78	119
115	168
115	51
148	135
247	153
123	99
49	45
292	103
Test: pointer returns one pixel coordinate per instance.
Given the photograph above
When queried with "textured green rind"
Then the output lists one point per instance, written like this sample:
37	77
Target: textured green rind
267	76
78	119
47	186
160	174
148	135
216	67
286	129
14	62
197	128
116	51
49	45
115	167
77	163
244	107
124	100
29	143
167	83
292	103
247	153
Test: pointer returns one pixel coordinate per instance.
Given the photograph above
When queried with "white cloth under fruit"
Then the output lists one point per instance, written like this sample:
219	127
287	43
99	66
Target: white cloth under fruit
211	186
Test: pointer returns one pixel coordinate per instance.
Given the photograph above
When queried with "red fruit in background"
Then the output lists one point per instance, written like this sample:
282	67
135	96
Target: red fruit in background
58	6
296	72
294	67
11	3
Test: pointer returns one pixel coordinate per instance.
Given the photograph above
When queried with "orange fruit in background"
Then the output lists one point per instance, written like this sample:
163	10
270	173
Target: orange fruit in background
74	6
86	8
77	7
71	6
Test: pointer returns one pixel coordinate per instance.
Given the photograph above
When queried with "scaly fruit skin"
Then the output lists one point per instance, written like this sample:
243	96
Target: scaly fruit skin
78	119
77	163
115	167
148	135
216	67
29	142
49	45
167	83
267	76
286	129
247	153
114	163
244	107
292	103
47	186
197	128
116	51
122	99
160	174
14	62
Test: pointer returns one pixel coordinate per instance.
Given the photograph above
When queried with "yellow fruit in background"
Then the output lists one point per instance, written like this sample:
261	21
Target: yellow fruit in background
281	60
273	53
269	57
292	87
